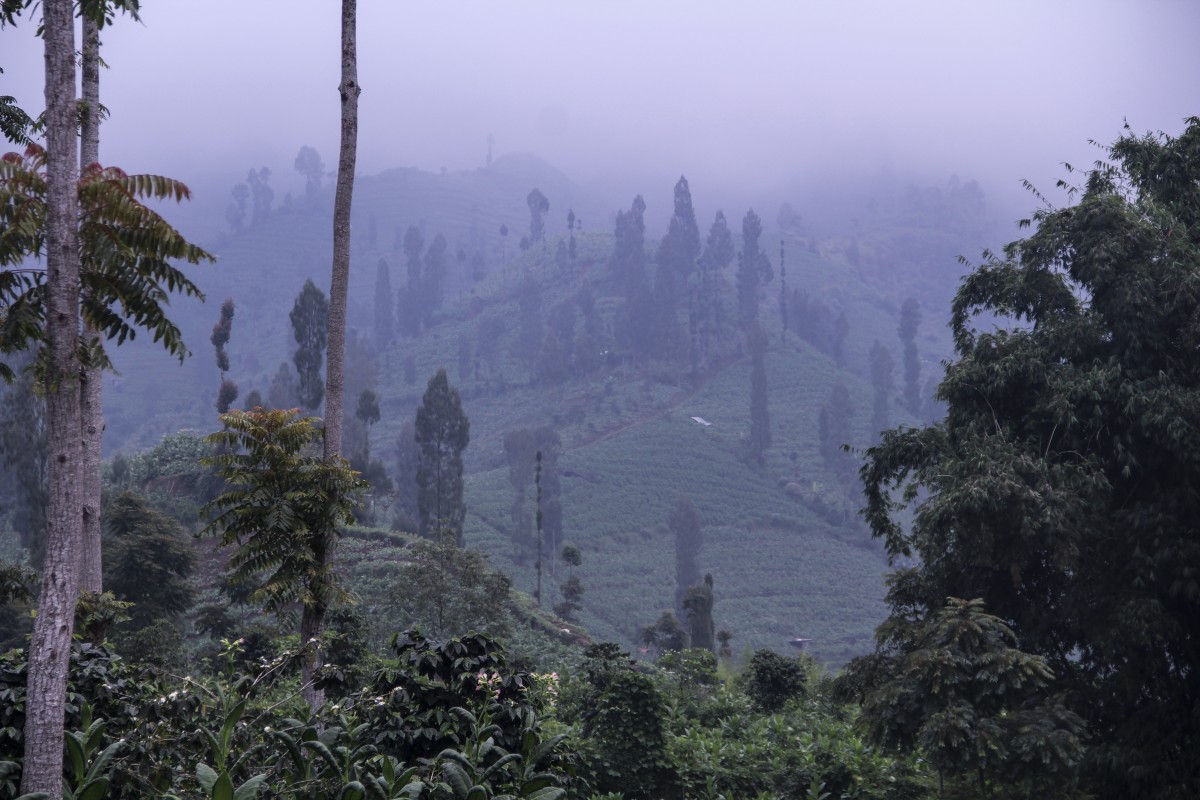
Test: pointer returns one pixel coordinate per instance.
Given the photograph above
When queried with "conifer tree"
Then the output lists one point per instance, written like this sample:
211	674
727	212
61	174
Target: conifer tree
910	320
754	270
760	419
538	206
684	523
882	381
698	605
442	432
309	316
385	316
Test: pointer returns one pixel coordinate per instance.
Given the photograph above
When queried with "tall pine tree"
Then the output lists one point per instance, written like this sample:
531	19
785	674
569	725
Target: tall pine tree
442	432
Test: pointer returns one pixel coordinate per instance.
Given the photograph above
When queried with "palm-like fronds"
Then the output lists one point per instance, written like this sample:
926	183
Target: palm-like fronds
126	254
282	507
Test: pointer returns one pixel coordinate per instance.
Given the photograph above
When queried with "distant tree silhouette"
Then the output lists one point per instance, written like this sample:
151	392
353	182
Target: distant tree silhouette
385	317
910	321
309	318
308	163
538	206
882	381
760	419
698	605
754	270
684	523
442	432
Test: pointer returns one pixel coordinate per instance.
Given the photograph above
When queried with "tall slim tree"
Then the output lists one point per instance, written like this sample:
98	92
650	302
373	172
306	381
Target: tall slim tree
910	321
538	206
282	508
339	286
883	380
760	418
50	646
385	312
442	432
310	321
754	270
228	390
684	523
92	380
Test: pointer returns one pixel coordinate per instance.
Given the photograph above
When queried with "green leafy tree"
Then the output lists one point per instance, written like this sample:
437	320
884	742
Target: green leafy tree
310	320
958	690
772	680
228	391
1059	489
147	561
449	591
625	737
442	432
281	509
572	588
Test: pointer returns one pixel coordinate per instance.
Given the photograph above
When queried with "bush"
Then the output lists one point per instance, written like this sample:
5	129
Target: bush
773	680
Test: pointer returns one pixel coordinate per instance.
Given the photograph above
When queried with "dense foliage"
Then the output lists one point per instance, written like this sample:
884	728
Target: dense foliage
1061	488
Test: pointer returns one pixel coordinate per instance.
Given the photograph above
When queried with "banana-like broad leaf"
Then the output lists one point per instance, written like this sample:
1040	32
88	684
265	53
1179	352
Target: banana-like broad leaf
207	777
549	793
223	788
500	764
352	791
94	790
249	789
456	776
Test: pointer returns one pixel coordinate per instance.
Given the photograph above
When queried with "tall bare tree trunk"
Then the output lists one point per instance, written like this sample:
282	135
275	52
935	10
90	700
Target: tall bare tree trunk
90	566
50	647
313	618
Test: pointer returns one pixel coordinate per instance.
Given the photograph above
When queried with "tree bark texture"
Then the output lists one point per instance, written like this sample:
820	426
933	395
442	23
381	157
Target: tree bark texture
335	356
90	566
50	647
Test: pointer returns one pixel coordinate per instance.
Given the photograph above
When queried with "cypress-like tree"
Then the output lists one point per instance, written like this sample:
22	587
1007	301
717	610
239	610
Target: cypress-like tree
684	523
698	604
442	432
754	270
910	320
385	316
538	206
760	418
882	381
310	315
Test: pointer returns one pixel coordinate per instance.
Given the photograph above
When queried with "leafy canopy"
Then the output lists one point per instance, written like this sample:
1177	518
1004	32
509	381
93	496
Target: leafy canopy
282	506
1061	487
126	254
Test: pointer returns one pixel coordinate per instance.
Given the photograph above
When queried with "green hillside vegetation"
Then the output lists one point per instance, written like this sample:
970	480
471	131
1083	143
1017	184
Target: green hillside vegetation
782	540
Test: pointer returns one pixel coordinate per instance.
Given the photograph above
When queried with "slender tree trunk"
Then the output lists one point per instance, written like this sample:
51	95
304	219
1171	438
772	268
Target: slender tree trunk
90	565
50	647
339	286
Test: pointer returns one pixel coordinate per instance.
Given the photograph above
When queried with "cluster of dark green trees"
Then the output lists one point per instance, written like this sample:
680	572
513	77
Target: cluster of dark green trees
1060	492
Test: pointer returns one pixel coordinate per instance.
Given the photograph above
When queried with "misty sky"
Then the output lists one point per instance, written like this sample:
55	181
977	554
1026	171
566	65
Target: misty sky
738	96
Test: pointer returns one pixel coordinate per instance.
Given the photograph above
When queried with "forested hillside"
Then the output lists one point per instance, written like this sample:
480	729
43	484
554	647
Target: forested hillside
542	336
